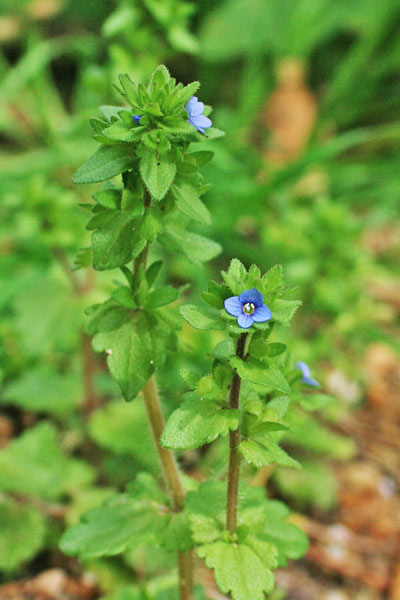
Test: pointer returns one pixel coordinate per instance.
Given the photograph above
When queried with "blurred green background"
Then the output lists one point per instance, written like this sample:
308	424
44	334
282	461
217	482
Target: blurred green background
308	176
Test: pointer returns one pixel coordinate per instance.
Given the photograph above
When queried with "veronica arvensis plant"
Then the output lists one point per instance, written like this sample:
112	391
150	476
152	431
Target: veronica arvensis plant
148	145
253	392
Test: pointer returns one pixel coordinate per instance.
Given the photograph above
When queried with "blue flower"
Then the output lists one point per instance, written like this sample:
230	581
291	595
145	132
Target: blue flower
195	109
248	308
305	369
137	118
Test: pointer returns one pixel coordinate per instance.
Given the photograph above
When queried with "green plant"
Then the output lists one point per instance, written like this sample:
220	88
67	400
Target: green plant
254	391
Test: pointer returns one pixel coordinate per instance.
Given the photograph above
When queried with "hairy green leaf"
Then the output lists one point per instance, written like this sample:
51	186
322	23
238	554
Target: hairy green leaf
202	317
241	569
115	244
34	464
157	173
262	375
197	248
262	451
121	524
198	422
105	163
135	348
22	534
290	541
189	203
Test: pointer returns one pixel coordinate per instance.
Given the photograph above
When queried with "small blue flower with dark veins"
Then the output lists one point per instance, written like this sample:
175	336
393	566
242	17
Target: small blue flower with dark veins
137	118
305	369
248	308
195	109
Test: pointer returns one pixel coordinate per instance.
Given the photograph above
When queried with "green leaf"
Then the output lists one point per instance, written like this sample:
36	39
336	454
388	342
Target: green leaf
197	248
43	389
110	199
161	296
157	173
202	157
34	464
83	258
52	319
214	134
105	163
224	350
177	535
272	283
111	111
135	349
262	375
202	317
191	378
122	132
189	203
153	272
275	349
22	534
115	243
262	451
235	277
184	94
207	509
289	540
121	524
198	422
123	295
283	310
129	90
241	569
125	430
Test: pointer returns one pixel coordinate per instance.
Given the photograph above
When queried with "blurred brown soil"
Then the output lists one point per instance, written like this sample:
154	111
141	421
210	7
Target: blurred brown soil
53	584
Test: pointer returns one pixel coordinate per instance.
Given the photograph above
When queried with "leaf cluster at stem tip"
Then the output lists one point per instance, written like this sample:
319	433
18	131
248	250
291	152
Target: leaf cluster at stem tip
152	191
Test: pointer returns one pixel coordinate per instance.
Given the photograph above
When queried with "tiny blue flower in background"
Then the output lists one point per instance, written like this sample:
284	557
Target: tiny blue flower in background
305	369
137	118
248	308
194	109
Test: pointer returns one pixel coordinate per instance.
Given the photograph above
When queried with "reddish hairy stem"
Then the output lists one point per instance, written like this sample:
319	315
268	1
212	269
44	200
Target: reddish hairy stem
234	440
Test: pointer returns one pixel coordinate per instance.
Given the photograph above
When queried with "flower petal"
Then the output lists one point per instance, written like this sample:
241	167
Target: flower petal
201	121
197	109
253	296
304	368
245	321
191	104
261	314
233	306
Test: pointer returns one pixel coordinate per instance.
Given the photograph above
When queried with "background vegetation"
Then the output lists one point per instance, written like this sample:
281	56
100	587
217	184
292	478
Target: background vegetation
307	176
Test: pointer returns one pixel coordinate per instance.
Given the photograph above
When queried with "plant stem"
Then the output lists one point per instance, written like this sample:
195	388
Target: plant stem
168	462
167	458
234	440
172	477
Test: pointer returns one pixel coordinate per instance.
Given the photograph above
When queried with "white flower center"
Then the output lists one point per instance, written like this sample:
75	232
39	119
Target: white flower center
249	308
